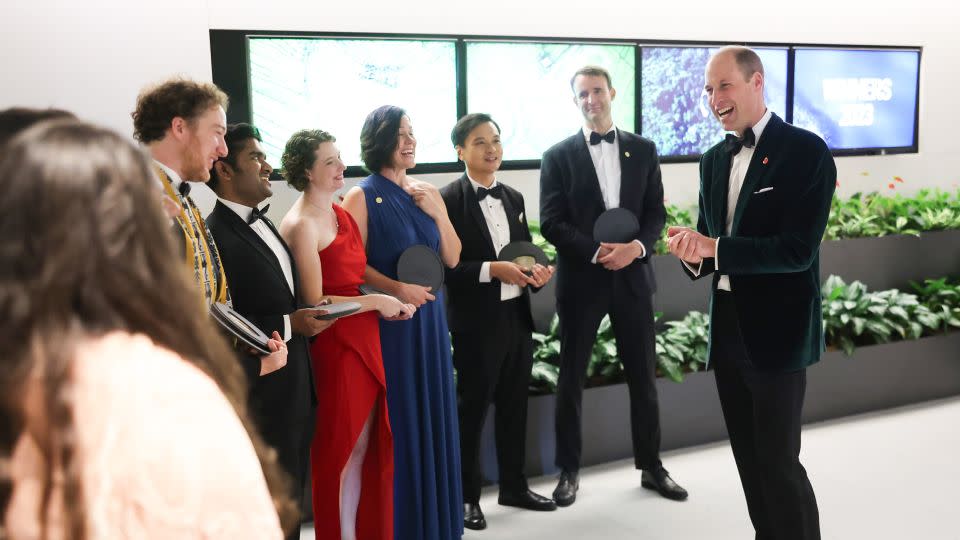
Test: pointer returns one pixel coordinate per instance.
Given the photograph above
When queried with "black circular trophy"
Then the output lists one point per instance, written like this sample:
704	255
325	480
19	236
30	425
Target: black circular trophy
245	331
337	310
524	254
418	264
421	265
616	226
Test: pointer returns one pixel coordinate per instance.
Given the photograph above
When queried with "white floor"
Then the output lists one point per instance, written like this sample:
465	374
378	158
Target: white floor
893	475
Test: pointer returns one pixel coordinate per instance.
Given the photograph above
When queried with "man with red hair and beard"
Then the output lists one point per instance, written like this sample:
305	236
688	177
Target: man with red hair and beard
183	123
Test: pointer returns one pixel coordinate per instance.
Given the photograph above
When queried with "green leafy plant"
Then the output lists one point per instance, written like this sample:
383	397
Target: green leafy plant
873	214
942	298
538	240
544	377
676	217
604	366
853	316
546	359
682	345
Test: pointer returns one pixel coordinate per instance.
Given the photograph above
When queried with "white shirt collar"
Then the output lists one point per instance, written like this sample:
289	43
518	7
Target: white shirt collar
476	185
761	125
587	131
171	174
241	210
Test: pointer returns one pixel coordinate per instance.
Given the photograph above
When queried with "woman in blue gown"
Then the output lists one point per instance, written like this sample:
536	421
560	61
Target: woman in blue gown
393	212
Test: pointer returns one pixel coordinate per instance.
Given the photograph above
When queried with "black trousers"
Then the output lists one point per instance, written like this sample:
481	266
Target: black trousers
493	366
632	320
762	412
292	441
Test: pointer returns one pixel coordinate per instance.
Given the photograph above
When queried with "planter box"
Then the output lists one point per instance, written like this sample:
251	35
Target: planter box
543	306
888	262
891	262
676	293
874	378
883	376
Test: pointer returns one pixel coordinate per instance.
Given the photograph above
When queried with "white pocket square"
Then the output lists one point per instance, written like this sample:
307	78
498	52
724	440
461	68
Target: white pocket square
521	217
764	190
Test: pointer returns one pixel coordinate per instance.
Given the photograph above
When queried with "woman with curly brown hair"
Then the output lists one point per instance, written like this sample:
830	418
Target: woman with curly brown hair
123	412
352	451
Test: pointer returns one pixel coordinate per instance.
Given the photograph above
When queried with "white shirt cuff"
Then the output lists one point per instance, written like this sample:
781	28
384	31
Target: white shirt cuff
485	272
716	254
595	255
287	334
696	271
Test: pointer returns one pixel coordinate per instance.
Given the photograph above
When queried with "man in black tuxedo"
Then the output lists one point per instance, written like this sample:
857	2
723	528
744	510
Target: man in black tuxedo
264	287
489	314
765	198
599	168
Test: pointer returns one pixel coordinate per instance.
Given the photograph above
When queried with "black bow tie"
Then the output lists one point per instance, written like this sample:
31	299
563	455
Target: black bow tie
734	143
494	192
595	137
258	214
184	189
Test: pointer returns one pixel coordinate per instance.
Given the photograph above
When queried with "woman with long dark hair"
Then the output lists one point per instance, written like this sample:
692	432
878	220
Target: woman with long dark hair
123	408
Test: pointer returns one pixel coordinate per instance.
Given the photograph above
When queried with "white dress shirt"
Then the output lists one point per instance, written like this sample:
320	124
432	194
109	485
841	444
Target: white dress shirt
606	161
496	217
738	172
175	179
269	238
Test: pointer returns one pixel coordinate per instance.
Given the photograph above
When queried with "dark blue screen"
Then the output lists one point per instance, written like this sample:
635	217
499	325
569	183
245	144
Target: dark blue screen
857	98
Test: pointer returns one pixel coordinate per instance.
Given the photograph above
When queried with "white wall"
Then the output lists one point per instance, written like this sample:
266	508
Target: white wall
94	57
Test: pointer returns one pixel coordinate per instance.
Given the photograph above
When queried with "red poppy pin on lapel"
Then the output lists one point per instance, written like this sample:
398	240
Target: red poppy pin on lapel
766	160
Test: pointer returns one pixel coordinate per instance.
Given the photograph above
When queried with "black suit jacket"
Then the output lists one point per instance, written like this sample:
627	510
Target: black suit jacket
571	201
471	304
260	293
773	252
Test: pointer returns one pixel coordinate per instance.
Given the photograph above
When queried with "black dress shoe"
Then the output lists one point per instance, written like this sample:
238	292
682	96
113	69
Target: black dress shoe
659	480
473	517
526	499
566	491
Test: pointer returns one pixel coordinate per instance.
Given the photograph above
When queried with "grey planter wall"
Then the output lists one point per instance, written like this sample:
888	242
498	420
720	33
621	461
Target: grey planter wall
543	306
874	378
891	262
676	293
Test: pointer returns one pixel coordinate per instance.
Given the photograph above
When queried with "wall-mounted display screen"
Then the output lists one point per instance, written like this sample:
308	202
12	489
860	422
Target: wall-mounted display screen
332	84
675	113
858	99
525	87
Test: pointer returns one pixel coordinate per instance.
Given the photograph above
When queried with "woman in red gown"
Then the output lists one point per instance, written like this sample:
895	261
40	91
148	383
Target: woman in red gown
352	450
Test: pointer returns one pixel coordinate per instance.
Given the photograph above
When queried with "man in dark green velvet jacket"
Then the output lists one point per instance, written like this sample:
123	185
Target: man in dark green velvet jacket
765	197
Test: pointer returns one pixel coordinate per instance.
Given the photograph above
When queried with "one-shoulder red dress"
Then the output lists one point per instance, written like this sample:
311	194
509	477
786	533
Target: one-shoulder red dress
348	369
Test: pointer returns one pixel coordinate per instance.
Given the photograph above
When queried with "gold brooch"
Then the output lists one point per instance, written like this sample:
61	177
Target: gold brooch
626	154
379	200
